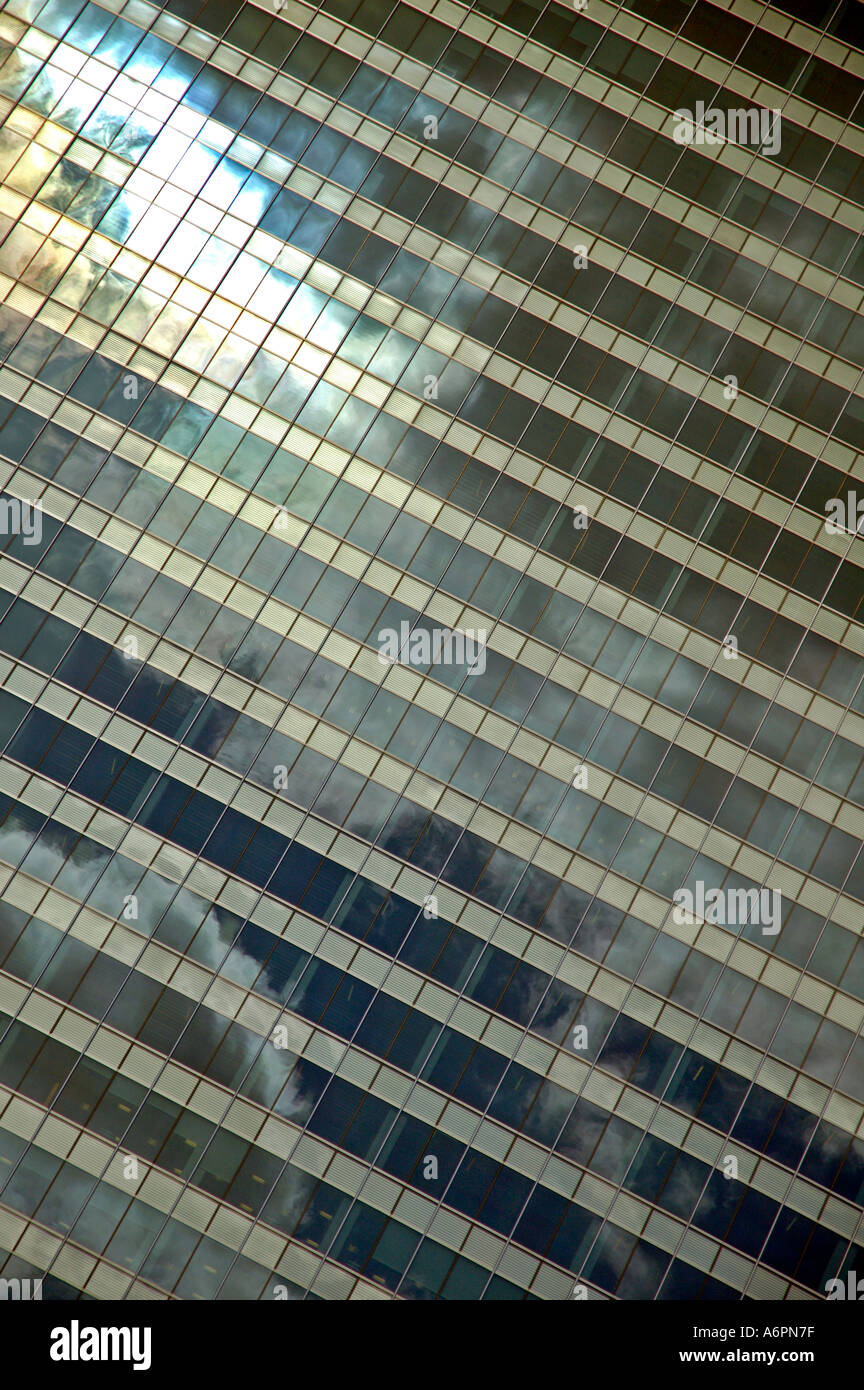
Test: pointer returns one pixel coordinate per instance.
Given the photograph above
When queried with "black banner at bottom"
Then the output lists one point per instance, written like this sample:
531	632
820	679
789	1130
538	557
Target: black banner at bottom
83	1339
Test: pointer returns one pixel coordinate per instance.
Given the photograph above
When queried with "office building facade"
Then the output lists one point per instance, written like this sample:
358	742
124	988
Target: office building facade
431	649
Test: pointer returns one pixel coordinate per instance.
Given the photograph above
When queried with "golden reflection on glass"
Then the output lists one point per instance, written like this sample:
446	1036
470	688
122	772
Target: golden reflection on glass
17	74
12	146
78	282
18	250
32	170
47	266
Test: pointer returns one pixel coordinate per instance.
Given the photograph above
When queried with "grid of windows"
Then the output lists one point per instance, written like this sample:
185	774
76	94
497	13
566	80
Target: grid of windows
338	976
